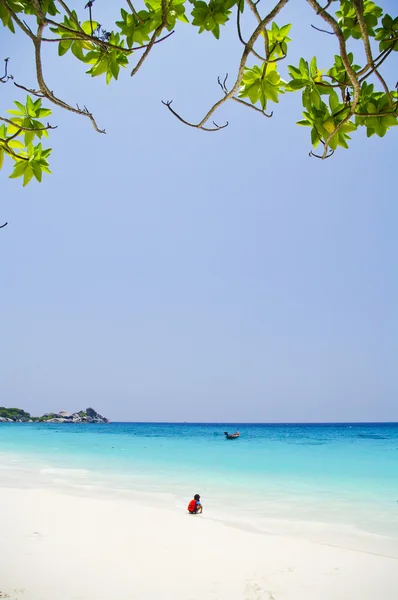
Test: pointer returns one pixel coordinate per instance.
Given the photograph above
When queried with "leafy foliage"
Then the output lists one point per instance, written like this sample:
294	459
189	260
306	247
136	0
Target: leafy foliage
17	139
337	99
261	84
16	414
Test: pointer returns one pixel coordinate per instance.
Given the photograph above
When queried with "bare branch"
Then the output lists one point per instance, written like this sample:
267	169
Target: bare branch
216	128
1	226
246	52
155	42
147	51
253	7
253	107
46	91
36	93
254	52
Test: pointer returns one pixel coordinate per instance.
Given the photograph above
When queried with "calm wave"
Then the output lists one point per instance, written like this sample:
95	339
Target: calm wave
333	473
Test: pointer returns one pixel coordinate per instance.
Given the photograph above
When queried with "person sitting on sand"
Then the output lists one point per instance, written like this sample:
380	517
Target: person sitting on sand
195	507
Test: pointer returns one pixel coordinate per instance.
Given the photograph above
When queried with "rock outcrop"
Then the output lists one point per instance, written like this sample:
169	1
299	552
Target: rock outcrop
83	416
16	415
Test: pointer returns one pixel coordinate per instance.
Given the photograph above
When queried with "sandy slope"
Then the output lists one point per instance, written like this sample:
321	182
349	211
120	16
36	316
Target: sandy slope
61	547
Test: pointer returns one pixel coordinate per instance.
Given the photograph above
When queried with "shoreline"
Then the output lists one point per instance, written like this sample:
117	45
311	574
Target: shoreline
277	517
82	548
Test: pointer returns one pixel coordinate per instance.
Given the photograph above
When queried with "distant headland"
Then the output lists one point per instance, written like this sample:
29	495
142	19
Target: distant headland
17	415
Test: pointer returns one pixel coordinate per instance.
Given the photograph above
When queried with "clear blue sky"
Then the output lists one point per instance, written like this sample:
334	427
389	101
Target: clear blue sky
162	273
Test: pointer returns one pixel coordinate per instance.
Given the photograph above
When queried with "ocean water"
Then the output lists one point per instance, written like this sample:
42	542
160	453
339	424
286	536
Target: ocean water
274	478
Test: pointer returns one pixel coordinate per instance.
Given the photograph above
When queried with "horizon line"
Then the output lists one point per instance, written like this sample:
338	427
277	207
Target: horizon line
258	422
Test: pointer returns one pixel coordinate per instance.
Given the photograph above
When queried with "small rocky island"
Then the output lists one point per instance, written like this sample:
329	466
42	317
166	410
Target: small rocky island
17	415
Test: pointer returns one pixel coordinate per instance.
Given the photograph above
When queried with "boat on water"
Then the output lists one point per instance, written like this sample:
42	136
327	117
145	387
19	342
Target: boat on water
232	436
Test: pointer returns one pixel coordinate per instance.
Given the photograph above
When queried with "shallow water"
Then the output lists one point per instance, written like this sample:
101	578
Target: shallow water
343	475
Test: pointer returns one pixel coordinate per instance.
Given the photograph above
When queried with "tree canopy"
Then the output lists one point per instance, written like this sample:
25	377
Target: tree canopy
350	93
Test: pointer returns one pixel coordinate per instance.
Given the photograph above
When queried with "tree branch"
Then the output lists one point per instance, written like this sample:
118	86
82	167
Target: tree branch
254	52
253	8
350	71
18	21
46	91
21	128
135	13
246	52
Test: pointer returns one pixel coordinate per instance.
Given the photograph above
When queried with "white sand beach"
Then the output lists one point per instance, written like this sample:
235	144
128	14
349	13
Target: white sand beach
63	547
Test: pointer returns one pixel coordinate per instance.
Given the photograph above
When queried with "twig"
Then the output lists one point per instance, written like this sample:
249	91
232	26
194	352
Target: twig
254	52
36	93
147	51
6	76
1	226
156	33
216	128
253	7
155	42
89	6
18	21
328	154
325	8
9	150
22	128
260	110
70	14
135	13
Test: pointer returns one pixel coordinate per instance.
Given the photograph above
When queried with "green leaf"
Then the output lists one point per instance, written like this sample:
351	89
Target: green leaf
295	84
29	137
89	27
333	142
17	144
333	101
44	112
19	169
37	172
30	107
77	50
313	67
63	47
314	137
28	174
284	31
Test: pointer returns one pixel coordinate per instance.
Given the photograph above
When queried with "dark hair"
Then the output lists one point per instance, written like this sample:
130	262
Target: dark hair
196	497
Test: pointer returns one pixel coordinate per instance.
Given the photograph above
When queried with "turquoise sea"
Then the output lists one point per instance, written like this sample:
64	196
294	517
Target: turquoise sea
273	478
